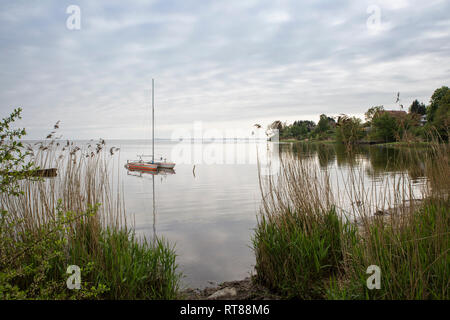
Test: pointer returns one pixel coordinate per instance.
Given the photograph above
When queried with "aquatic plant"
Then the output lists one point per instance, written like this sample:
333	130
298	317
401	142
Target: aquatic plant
309	244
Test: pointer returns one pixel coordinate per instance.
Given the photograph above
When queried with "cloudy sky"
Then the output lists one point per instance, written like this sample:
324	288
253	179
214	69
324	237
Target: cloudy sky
227	63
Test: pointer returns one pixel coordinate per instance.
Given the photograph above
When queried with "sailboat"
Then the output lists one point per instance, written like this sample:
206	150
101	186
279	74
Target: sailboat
149	166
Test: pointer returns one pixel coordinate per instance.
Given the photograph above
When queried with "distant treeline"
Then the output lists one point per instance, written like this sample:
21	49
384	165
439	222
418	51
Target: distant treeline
418	124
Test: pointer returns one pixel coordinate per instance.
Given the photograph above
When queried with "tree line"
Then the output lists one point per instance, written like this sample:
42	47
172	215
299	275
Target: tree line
420	123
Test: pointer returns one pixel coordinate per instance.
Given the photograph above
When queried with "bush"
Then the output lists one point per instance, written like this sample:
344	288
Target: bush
114	264
385	127
47	225
349	130
296	251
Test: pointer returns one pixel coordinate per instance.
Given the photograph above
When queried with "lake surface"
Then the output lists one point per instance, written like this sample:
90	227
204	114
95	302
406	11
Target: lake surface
209	213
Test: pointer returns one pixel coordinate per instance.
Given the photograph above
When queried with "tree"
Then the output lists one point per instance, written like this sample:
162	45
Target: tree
373	112
273	127
13	166
331	122
299	131
277	124
308	124
418	108
436	98
441	118
385	127
348	130
323	125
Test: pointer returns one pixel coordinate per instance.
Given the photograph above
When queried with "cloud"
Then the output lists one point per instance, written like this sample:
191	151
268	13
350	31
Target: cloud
224	63
276	17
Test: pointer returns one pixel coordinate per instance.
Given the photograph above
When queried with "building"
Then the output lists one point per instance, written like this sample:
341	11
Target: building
397	114
423	120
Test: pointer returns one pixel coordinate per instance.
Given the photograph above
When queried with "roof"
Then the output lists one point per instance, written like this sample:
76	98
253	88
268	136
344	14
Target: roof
396	113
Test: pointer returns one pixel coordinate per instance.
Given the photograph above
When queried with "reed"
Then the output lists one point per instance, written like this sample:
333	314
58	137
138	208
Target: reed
317	232
78	218
295	252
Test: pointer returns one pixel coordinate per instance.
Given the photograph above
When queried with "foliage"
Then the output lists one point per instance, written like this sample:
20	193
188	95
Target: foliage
413	257
295	251
373	112
45	226
274	128
276	125
114	265
418	108
305	251
439	112
349	130
13	166
298	130
323	125
435	101
385	127
309	125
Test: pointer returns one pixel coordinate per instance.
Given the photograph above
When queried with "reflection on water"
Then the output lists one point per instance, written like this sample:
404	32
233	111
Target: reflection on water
152	174
209	212
381	159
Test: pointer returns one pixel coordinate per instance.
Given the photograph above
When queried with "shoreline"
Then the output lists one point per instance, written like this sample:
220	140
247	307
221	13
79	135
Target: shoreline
245	289
397	144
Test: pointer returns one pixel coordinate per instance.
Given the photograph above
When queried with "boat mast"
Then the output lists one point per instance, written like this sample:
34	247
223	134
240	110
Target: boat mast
153	120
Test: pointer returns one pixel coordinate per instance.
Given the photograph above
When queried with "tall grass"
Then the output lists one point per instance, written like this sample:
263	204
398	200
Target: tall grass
78	218
413	257
317	233
295	252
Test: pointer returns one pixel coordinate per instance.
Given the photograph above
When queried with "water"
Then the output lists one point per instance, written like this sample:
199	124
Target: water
209	213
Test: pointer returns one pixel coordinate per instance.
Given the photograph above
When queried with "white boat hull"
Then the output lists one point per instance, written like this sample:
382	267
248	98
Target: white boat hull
165	165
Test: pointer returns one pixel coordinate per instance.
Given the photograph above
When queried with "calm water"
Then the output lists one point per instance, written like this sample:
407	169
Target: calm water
210	214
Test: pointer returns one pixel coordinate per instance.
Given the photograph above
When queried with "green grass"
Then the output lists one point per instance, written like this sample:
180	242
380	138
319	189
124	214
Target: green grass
413	258
304	250
296	251
54	223
114	263
322	258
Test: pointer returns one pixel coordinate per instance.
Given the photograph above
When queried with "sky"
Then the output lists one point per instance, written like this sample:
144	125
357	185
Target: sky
221	64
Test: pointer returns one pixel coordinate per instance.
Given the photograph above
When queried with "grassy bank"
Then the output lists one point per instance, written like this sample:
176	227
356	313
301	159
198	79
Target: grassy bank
402	144
311	141
307	247
78	219
412	256
295	252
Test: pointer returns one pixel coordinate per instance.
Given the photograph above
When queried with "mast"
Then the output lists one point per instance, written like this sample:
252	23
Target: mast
153	120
